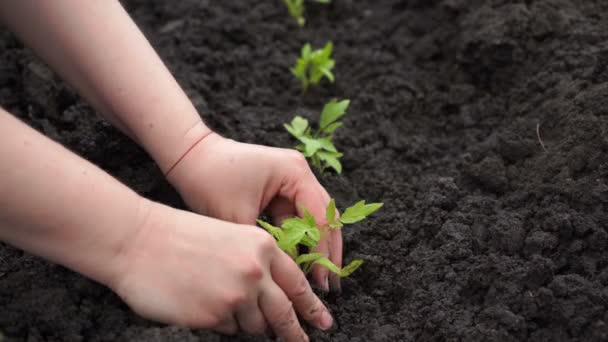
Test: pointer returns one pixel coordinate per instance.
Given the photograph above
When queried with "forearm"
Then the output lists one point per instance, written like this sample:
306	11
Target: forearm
97	48
59	206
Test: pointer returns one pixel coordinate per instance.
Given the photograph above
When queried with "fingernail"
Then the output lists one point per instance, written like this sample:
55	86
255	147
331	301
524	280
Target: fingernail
326	320
325	284
335	285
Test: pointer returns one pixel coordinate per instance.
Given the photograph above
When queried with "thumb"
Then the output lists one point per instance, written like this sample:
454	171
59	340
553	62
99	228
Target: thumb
309	194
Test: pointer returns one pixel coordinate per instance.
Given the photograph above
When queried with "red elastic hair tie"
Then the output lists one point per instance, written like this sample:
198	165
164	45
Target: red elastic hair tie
187	151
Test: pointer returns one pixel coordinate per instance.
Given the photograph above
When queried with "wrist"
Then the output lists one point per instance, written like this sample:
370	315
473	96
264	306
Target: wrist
196	169
201	146
148	215
195	140
169	154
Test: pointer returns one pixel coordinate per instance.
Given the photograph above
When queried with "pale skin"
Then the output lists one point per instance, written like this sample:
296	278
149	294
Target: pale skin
166	264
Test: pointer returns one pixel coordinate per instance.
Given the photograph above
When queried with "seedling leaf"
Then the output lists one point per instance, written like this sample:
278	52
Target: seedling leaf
327	145
322	56
306	50
336	225
309	242
328	264
286	242
297	127
332	111
330	212
292	238
314	234
326	71
331	159
276	232
358	212
310	219
291	250
313	65
311	145
332	127
319	147
310	257
298	231
350	268
295	223
296	10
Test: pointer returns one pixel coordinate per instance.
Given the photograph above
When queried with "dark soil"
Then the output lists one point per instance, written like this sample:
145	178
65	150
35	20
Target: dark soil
485	235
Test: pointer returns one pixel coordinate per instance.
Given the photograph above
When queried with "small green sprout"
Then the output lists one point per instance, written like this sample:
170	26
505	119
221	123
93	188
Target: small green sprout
297	232
312	66
296	9
318	147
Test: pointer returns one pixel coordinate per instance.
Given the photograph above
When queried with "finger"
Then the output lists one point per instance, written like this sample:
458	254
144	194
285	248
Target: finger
280	314
251	319
320	274
335	252
303	190
311	195
290	278
227	327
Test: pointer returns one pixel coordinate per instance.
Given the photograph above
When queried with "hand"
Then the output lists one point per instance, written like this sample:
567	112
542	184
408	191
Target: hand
234	181
195	271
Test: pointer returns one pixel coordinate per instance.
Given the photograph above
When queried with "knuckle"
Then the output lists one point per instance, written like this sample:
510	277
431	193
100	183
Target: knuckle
211	321
314	310
253	271
266	243
296	156
231	330
301	288
235	300
298	160
286	318
286	324
258	328
201	320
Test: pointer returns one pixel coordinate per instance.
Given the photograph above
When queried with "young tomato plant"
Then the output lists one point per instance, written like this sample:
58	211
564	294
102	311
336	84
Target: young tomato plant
296	9
296	233
317	146
313	65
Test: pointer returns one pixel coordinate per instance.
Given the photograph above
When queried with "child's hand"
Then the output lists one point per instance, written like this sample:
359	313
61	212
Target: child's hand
234	181
196	271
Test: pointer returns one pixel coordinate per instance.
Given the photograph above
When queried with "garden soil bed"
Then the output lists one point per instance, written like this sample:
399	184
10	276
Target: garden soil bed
482	126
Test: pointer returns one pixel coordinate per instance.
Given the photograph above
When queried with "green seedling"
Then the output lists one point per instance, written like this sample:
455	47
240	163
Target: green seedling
297	232
318	146
296	9
312	66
